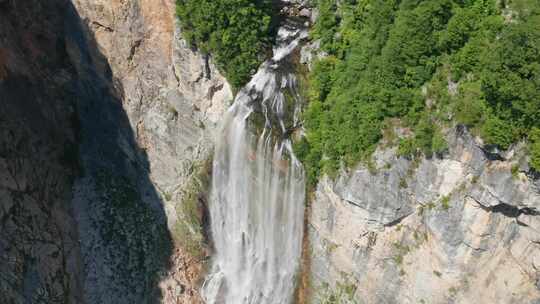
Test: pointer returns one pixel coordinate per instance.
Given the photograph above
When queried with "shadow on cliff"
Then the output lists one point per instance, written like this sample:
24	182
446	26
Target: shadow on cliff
125	244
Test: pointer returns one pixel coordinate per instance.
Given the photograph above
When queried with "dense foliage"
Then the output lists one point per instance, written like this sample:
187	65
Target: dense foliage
235	32
425	64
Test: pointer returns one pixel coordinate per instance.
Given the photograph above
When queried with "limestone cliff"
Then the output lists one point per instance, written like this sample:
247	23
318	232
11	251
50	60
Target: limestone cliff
464	228
39	130
173	98
107	121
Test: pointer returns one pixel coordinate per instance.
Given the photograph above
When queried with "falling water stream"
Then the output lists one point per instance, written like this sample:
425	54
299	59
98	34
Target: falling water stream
258	188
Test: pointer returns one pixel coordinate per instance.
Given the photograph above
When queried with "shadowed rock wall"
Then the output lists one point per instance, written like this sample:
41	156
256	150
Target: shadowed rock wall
105	115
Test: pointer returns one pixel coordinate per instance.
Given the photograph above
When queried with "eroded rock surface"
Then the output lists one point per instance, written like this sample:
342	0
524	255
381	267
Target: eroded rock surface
462	229
107	120
106	123
39	252
173	98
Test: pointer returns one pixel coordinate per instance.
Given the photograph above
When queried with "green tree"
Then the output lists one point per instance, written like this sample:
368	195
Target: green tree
235	32
398	59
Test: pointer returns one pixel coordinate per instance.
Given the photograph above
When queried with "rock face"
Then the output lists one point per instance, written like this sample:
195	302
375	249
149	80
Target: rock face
462	229
39	252
173	98
107	119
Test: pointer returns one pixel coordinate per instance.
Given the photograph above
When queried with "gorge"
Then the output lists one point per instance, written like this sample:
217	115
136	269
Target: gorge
269	152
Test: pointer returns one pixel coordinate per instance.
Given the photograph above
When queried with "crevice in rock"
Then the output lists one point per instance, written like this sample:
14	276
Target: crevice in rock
100	25
508	210
353	203
175	75
213	90
134	48
534	175
492	153
397	221
474	248
199	77
207	71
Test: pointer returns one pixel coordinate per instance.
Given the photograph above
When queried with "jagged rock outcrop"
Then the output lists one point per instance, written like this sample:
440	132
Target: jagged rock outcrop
461	229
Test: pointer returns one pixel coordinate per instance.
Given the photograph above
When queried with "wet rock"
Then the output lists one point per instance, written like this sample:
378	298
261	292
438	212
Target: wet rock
305	12
310	52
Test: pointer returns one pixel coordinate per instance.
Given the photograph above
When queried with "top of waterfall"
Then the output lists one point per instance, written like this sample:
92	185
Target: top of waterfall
288	38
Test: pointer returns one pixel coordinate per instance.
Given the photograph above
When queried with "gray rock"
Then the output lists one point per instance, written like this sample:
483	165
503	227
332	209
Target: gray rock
460	229
305	12
310	52
173	98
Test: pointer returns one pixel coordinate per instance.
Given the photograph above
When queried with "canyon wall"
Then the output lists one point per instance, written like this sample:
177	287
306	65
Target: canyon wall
39	252
107	121
464	228
173	98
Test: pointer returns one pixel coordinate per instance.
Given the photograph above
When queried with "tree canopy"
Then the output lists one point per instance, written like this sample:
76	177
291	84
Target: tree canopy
236	32
391	59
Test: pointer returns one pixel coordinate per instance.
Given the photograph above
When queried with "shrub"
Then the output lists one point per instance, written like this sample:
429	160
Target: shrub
497	132
445	202
534	148
470	106
438	143
515	171
407	147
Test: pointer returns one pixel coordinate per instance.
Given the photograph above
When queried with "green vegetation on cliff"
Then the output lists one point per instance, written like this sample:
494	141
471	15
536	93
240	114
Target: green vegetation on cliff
235	32
427	63
188	231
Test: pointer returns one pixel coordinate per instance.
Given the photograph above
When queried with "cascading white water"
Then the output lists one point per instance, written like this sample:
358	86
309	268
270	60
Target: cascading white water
258	190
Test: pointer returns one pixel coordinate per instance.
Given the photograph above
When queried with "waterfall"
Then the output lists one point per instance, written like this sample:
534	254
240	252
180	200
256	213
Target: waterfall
258	189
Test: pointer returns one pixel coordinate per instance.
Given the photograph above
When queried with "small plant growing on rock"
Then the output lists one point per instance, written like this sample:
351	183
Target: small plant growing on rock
167	196
515	171
402	251
342	293
445	202
425	207
188	231
403	183
371	166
